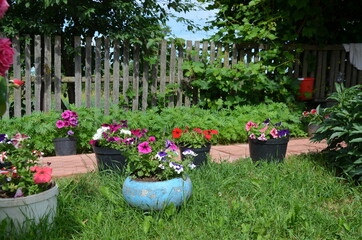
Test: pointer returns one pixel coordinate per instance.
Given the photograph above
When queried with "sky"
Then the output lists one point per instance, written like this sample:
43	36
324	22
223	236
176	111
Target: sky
199	17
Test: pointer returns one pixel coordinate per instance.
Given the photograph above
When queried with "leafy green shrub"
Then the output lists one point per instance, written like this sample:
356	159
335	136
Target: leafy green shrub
343	130
160	122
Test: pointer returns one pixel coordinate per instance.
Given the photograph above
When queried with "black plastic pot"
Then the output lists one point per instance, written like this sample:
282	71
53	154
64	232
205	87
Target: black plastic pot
65	146
109	159
272	150
202	154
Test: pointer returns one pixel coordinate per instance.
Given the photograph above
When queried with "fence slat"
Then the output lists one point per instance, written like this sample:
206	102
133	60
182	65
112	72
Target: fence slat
98	73
47	73
180	74
136	74
88	70
187	80
145	77
324	74
17	75
28	92
78	72
163	62
318	83
116	72
212	52
57	72
172	71
125	66
37	65
107	95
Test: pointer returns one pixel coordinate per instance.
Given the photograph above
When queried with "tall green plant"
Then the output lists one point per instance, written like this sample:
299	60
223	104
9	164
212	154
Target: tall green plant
343	130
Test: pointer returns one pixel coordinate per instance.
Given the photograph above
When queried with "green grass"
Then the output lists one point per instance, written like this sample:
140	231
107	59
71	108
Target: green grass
299	199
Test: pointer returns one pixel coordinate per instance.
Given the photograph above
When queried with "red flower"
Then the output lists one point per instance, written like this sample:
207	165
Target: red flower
16	83
313	111
198	130
208	136
176	133
212	131
42	175
305	114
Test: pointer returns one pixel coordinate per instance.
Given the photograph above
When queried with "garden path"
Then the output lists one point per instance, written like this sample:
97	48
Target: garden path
82	163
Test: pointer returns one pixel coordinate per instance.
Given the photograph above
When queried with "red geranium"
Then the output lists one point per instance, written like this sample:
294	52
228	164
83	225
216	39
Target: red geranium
193	138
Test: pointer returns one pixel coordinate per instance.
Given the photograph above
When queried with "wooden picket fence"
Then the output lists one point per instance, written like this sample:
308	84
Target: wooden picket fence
108	72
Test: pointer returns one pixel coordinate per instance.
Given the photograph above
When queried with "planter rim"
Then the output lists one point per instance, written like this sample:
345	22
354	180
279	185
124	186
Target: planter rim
13	202
164	181
65	139
270	141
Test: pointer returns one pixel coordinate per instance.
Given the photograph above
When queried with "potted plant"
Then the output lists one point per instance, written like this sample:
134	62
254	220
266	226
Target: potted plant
67	143
27	193
197	140
110	141
156	179
313	118
267	141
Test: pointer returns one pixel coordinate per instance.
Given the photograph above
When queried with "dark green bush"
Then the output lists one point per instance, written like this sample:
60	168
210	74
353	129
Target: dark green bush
343	130
230	123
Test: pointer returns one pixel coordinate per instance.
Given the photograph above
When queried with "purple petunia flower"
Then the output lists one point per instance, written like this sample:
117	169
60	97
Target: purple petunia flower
3	137
70	132
266	122
73	122
124	124
278	124
283	132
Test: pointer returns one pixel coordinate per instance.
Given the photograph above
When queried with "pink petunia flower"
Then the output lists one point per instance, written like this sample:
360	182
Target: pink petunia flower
18	138
252	136
60	124
264	129
144	148
66	115
262	137
274	133
6	55
249	125
152	139
3	7
43	175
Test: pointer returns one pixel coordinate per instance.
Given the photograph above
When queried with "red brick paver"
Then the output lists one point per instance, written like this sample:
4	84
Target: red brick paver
83	163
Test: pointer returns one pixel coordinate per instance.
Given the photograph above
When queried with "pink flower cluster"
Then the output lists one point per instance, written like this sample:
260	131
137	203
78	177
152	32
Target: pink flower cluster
3	7
6	51
70	119
42	174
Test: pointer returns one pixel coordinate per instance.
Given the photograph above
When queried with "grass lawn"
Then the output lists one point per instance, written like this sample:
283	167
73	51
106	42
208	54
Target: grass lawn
299	199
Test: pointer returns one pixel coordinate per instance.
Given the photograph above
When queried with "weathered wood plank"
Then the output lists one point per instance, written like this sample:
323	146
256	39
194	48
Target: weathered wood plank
180	76
28	90
136	74
17	75
116	73
212	52
172	71
234	57
318	81
88	71
58	72
187	80
107	95
97	71
305	65
145	78
77	71
324	74
125	67
163	63
37	66
47	73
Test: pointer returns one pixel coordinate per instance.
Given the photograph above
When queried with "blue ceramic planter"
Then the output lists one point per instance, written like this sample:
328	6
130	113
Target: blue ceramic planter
156	195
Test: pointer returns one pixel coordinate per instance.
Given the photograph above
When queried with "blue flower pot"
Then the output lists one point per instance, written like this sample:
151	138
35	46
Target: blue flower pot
156	195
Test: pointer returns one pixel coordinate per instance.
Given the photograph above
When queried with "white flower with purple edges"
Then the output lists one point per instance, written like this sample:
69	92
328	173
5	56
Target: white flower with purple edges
178	168
126	132
161	156
99	133
191	166
162	166
189	152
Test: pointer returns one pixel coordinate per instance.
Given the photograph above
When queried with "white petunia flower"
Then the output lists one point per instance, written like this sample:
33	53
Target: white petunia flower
127	132
189	152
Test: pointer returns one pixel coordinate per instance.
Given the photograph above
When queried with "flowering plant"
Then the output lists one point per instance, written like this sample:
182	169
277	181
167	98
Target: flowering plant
20	173
116	136
266	130
155	159
315	116
68	122
194	138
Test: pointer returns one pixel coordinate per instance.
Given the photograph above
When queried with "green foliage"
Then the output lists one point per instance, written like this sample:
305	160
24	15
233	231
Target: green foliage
299	199
303	21
160	122
239	84
343	130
